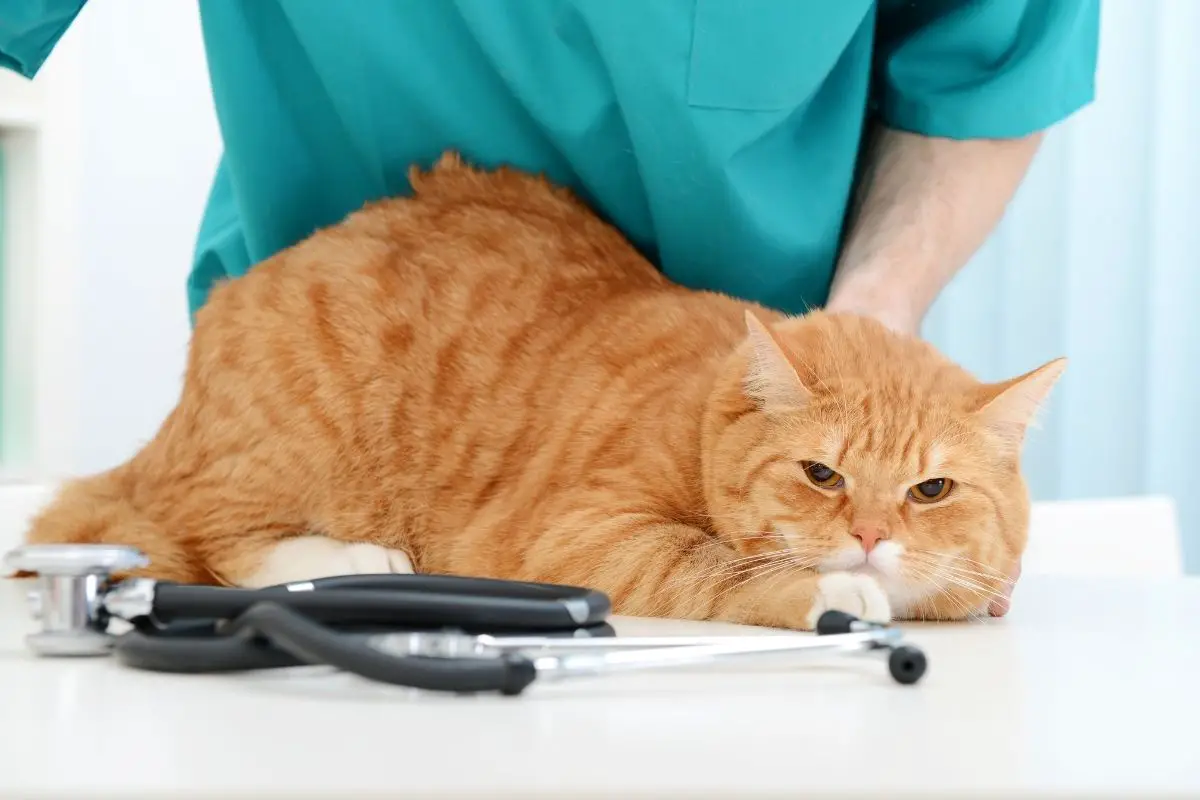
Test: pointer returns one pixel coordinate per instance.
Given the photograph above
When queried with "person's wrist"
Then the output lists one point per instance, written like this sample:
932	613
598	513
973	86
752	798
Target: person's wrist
867	296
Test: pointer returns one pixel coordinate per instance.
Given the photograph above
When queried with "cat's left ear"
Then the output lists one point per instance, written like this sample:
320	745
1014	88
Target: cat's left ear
771	378
1010	408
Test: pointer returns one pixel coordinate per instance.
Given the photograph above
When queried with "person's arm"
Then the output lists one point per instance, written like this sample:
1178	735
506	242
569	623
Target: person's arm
962	92
925	206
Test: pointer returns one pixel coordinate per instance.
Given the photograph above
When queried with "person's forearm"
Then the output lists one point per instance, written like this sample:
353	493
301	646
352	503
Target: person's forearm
924	206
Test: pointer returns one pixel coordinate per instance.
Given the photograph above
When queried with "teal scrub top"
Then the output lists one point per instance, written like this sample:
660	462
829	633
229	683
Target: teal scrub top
721	136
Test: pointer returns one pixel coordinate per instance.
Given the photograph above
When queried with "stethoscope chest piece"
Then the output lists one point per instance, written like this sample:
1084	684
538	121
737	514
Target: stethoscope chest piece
67	602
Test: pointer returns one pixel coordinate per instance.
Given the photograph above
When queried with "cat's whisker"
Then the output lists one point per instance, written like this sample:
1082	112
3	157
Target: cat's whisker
927	609
735	519
711	521
963	562
778	552
758	573
734	566
968	573
993	576
701	580
951	574
963	609
968	581
765	554
975	589
979	577
761	552
741	570
957	557
942	584
744	563
740	562
949	579
781	557
722	571
748	536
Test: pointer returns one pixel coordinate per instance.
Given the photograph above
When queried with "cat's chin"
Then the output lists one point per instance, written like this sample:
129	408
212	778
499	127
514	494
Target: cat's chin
883	563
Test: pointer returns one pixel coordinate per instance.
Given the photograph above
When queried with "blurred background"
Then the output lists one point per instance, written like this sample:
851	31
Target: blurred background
106	160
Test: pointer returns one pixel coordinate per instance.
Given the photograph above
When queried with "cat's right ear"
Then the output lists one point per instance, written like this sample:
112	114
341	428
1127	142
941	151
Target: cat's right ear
771	378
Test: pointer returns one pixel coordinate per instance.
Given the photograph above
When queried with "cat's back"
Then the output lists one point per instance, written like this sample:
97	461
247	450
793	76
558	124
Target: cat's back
460	349
471	250
415	315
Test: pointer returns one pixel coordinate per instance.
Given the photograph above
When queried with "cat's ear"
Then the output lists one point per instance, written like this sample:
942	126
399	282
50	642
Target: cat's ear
1010	408
771	378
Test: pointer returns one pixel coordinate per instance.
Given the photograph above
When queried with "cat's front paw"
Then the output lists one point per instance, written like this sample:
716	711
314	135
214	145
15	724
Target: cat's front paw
306	558
860	595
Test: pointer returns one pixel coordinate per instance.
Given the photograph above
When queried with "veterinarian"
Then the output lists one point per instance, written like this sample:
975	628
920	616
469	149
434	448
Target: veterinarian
800	153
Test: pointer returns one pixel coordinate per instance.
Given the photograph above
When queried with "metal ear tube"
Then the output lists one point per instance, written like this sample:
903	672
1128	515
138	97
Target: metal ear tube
560	659
572	665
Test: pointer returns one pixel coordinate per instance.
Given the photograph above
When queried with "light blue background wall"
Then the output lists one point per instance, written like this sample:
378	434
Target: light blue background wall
1098	259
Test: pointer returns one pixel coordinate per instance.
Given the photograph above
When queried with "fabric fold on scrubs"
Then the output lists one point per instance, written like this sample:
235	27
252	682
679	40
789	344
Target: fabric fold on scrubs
985	68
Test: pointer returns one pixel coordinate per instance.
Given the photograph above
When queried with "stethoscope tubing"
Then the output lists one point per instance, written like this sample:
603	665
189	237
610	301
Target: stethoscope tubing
205	629
269	634
272	635
398	600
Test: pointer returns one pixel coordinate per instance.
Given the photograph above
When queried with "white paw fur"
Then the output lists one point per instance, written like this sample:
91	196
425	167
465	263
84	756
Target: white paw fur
860	595
305	558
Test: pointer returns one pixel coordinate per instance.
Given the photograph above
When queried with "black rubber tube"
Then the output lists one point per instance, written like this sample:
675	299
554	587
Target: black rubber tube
419	600
315	644
198	653
195	648
271	635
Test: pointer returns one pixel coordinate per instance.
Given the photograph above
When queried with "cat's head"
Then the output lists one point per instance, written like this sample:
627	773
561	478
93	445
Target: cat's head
836	444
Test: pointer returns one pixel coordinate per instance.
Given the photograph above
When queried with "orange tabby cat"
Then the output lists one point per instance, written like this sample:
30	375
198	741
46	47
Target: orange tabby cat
485	379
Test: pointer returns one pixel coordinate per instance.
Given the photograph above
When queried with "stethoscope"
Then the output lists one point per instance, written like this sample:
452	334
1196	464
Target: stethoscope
434	632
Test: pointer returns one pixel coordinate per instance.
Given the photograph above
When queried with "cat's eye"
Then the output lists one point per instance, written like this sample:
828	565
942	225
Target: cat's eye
821	475
931	491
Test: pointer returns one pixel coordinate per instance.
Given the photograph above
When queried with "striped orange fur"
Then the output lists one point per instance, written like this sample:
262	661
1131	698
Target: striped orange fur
488	378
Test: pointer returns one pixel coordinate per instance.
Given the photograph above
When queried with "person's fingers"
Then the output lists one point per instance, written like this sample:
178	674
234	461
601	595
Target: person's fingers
1000	606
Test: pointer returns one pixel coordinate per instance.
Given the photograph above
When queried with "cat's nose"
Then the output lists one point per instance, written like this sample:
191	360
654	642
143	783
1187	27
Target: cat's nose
868	536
